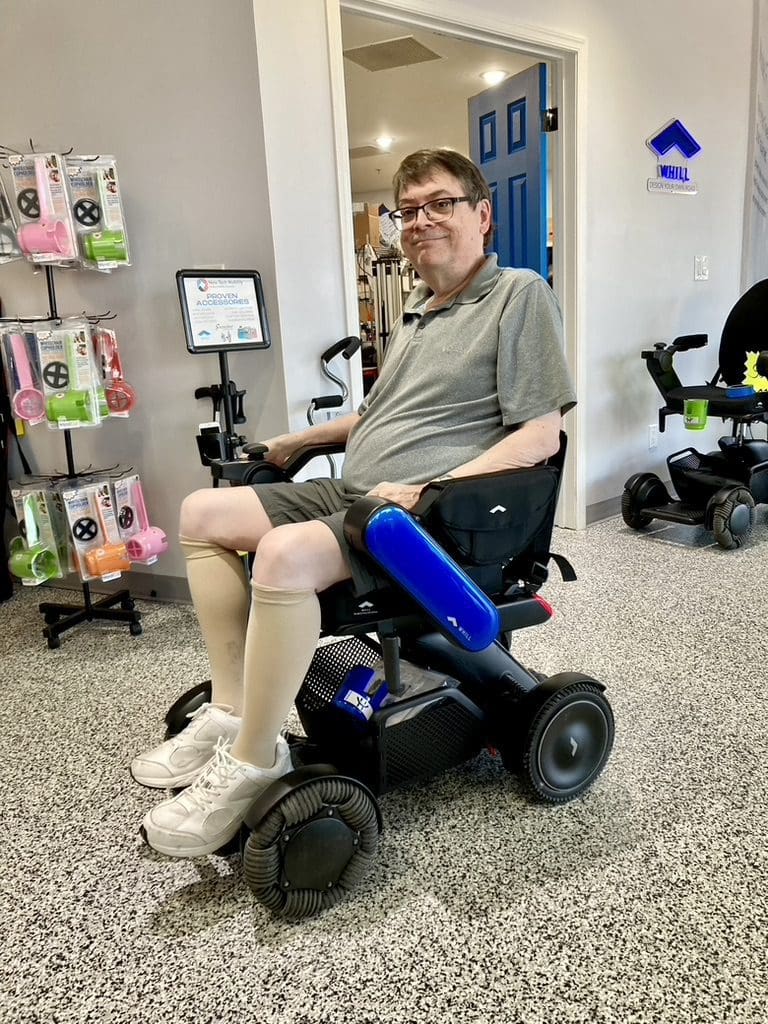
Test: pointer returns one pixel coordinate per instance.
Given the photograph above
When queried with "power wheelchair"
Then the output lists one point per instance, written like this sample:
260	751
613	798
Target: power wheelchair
720	489
460	574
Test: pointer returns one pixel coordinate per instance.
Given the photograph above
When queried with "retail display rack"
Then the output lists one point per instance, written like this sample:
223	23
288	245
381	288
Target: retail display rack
68	212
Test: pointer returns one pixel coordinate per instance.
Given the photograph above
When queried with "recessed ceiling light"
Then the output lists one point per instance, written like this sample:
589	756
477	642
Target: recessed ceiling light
493	77
384	141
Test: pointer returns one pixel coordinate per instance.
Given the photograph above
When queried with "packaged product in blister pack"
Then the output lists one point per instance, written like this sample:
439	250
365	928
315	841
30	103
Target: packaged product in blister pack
100	552
9	245
144	543
71	382
120	396
22	373
46	232
41	551
97	211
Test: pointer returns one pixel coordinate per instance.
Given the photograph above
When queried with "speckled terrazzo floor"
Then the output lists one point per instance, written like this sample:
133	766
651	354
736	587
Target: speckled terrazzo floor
645	901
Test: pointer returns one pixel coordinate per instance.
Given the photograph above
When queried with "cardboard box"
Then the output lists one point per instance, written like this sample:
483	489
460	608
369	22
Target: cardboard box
367	226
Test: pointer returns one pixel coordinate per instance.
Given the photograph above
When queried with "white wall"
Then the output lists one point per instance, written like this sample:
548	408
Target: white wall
196	93
176	99
646	63
306	205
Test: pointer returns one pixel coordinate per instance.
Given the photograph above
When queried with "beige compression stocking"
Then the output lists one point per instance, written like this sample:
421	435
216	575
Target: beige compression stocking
220	592
282	635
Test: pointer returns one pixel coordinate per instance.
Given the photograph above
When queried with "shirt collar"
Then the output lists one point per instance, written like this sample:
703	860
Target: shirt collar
483	281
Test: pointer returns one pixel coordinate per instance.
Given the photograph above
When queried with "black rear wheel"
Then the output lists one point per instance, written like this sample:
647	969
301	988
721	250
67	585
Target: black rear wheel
642	491
635	518
568	743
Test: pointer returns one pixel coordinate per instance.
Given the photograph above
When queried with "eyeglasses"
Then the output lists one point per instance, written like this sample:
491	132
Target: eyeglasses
435	210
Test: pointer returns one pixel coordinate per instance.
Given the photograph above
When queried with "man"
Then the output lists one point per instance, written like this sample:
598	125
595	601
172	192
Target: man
473	381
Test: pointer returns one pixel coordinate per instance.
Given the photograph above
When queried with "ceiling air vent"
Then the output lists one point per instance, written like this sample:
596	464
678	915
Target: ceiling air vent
392	53
355	154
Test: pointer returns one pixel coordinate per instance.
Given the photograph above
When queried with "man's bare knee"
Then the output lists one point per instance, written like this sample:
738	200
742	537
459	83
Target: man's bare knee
232	517
300	556
193	518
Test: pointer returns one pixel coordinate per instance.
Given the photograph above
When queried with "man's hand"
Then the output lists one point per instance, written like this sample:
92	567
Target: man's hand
402	494
281	448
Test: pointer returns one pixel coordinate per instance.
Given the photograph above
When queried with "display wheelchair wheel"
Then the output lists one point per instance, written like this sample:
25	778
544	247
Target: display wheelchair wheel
568	740
177	715
732	514
642	491
314	835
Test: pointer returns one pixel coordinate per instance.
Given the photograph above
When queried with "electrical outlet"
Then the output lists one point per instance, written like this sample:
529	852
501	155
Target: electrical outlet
653	436
701	268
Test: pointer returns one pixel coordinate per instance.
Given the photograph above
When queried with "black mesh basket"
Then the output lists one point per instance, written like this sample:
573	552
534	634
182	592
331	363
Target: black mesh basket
409	739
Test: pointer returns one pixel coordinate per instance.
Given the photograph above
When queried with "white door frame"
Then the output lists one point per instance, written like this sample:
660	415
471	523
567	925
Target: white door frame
567	56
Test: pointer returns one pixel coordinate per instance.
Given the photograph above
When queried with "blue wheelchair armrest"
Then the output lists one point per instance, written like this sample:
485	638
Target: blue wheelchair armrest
409	556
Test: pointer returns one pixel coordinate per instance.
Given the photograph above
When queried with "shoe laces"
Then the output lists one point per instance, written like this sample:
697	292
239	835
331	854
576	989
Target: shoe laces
192	715
214	778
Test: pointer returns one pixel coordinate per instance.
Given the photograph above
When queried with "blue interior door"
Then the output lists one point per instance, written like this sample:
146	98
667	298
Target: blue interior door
508	144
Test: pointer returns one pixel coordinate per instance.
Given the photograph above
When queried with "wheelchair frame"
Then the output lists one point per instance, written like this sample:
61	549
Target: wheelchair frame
313	834
717	490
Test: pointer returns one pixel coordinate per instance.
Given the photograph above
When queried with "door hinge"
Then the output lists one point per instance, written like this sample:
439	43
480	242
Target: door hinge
549	120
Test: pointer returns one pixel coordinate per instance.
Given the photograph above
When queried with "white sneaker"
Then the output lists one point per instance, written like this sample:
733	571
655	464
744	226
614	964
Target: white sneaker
179	760
208	814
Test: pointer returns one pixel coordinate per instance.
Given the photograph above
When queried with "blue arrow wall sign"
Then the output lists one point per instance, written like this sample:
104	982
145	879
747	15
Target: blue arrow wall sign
674	135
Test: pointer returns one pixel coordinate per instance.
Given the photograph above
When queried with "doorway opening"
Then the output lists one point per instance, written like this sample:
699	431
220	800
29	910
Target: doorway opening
409	79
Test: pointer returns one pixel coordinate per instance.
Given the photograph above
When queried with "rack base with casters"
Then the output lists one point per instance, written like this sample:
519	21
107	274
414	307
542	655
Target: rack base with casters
61	617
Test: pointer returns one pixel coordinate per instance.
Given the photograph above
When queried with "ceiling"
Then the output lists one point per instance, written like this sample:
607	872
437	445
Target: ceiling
423	105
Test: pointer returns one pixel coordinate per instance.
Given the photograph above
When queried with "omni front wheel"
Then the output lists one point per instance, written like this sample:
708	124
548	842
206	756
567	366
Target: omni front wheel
732	511
568	742
315	843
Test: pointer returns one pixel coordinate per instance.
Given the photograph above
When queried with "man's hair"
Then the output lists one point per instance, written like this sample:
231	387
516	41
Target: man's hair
420	165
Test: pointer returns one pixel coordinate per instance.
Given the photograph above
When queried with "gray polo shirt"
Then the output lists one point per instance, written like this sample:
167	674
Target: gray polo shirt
456	380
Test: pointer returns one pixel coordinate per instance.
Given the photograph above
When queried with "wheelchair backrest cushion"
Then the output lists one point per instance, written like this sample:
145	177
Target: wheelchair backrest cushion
501	517
745	330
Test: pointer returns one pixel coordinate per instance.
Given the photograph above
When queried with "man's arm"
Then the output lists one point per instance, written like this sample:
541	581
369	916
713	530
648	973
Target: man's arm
529	445
282	447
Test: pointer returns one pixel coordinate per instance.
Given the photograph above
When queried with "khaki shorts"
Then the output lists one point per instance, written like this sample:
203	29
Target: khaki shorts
324	501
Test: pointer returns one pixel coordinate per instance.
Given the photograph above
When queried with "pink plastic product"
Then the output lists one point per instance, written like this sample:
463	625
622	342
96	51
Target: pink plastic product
28	403
150	541
50	235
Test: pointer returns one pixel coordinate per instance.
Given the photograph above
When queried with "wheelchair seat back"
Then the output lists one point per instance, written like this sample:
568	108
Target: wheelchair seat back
496	526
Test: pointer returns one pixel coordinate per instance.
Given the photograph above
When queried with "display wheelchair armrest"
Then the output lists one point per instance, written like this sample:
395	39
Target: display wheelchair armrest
255	469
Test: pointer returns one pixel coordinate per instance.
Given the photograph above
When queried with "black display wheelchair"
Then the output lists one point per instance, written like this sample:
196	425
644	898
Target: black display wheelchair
720	489
460	574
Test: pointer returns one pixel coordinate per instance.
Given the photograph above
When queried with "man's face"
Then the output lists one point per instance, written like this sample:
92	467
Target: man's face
452	246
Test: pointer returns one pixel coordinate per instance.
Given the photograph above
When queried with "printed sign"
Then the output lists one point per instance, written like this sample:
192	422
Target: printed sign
673	146
223	311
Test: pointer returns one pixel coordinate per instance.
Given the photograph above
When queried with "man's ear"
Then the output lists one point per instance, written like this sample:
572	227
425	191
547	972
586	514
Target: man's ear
485	217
